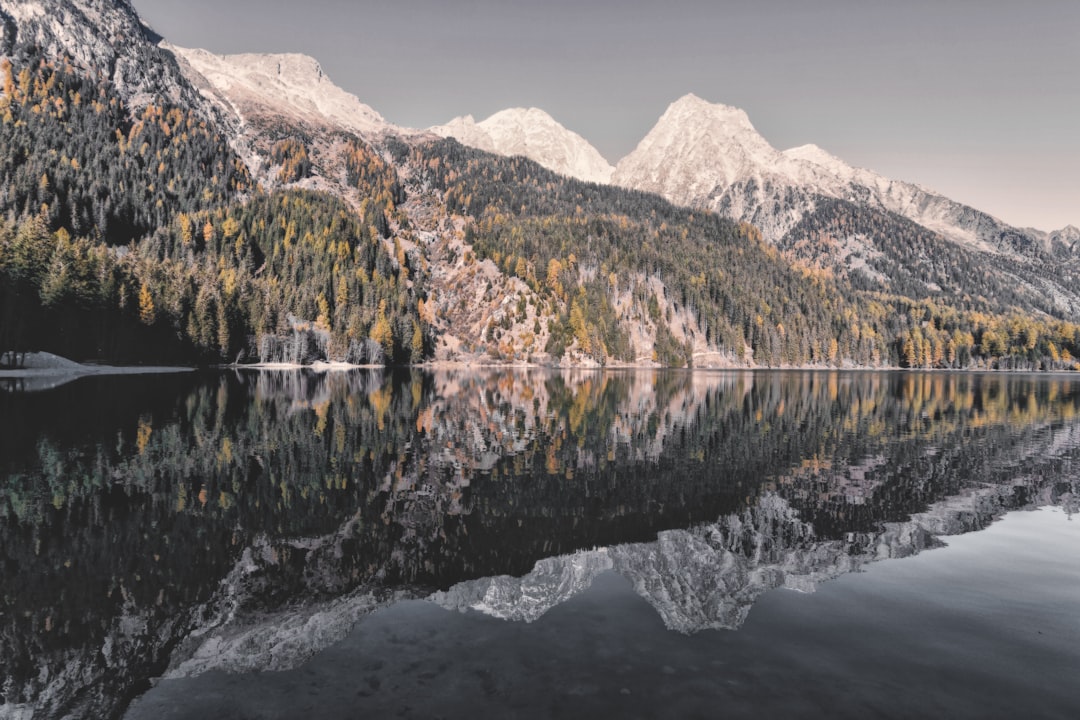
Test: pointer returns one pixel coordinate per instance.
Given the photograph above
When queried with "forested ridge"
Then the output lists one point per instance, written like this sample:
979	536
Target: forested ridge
581	245
141	236
74	154
897	254
147	240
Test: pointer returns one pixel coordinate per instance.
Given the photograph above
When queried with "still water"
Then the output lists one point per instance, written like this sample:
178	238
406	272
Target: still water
535	544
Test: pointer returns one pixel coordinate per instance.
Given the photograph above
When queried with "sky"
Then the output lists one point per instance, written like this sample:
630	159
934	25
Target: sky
976	99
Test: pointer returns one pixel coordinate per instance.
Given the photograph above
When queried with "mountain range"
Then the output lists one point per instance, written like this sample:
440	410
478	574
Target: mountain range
699	154
511	238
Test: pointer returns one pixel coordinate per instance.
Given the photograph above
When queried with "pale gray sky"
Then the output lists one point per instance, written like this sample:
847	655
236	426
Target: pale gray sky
977	99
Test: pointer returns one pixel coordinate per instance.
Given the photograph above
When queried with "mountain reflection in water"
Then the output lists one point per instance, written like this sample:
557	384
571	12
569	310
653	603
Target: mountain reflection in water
170	525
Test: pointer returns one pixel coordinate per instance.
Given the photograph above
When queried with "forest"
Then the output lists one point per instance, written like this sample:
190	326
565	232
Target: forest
138	235
146	240
582	244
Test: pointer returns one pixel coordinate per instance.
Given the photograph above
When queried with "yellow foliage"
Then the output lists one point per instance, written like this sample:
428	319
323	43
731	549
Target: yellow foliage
147	313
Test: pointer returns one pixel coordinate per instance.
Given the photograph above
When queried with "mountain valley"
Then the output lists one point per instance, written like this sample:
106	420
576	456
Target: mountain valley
303	226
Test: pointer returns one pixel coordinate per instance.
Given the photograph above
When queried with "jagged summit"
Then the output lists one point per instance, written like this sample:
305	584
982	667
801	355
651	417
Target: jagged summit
697	150
105	37
533	133
703	154
290	85
691	104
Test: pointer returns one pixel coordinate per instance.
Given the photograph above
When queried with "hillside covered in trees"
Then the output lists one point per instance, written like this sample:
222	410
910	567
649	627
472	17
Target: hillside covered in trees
141	236
137	233
604	258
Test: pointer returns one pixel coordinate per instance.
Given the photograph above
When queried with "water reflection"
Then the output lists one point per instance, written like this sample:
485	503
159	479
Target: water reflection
148	522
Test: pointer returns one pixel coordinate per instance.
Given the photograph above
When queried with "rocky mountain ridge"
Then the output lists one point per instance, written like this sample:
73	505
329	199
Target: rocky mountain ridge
105	38
534	134
699	154
702	154
288	85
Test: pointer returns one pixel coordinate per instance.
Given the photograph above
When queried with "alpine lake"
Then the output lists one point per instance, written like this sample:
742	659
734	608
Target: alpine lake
540	543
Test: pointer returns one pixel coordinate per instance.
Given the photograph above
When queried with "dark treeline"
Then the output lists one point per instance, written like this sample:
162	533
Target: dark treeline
293	276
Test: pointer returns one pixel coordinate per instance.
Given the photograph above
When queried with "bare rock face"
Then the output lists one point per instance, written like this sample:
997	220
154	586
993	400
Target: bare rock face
534	134
1065	241
104	37
291	86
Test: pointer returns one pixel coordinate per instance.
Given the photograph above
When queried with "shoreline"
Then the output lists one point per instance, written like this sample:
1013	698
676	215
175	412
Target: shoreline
46	365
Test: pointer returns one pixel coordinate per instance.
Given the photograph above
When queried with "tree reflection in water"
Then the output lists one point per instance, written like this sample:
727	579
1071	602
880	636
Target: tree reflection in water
142	516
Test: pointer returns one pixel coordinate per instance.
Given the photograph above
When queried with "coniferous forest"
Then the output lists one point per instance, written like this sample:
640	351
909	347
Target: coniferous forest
145	240
138	235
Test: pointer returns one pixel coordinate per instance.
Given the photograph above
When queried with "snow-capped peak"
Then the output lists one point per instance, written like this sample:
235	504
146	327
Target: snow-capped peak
290	85
695	148
817	156
534	134
690	105
702	154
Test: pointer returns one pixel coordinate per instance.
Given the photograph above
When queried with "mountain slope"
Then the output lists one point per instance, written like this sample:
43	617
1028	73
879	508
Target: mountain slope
271	216
103	37
851	221
707	155
283	86
534	134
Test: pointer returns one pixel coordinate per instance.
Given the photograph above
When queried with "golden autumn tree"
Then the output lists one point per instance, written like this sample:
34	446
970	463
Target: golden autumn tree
147	313
382	333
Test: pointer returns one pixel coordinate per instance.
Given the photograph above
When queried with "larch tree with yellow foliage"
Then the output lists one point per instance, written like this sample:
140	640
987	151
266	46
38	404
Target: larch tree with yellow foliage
147	313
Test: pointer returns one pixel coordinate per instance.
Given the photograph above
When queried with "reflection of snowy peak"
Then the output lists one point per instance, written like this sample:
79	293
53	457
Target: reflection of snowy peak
696	579
533	134
552	582
702	154
708	578
288	85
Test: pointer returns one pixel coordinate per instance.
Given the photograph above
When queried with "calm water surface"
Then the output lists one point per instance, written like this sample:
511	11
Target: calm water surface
533	544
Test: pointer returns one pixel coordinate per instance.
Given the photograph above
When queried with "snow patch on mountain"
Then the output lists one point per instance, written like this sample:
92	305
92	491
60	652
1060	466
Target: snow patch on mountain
288	85
534	134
